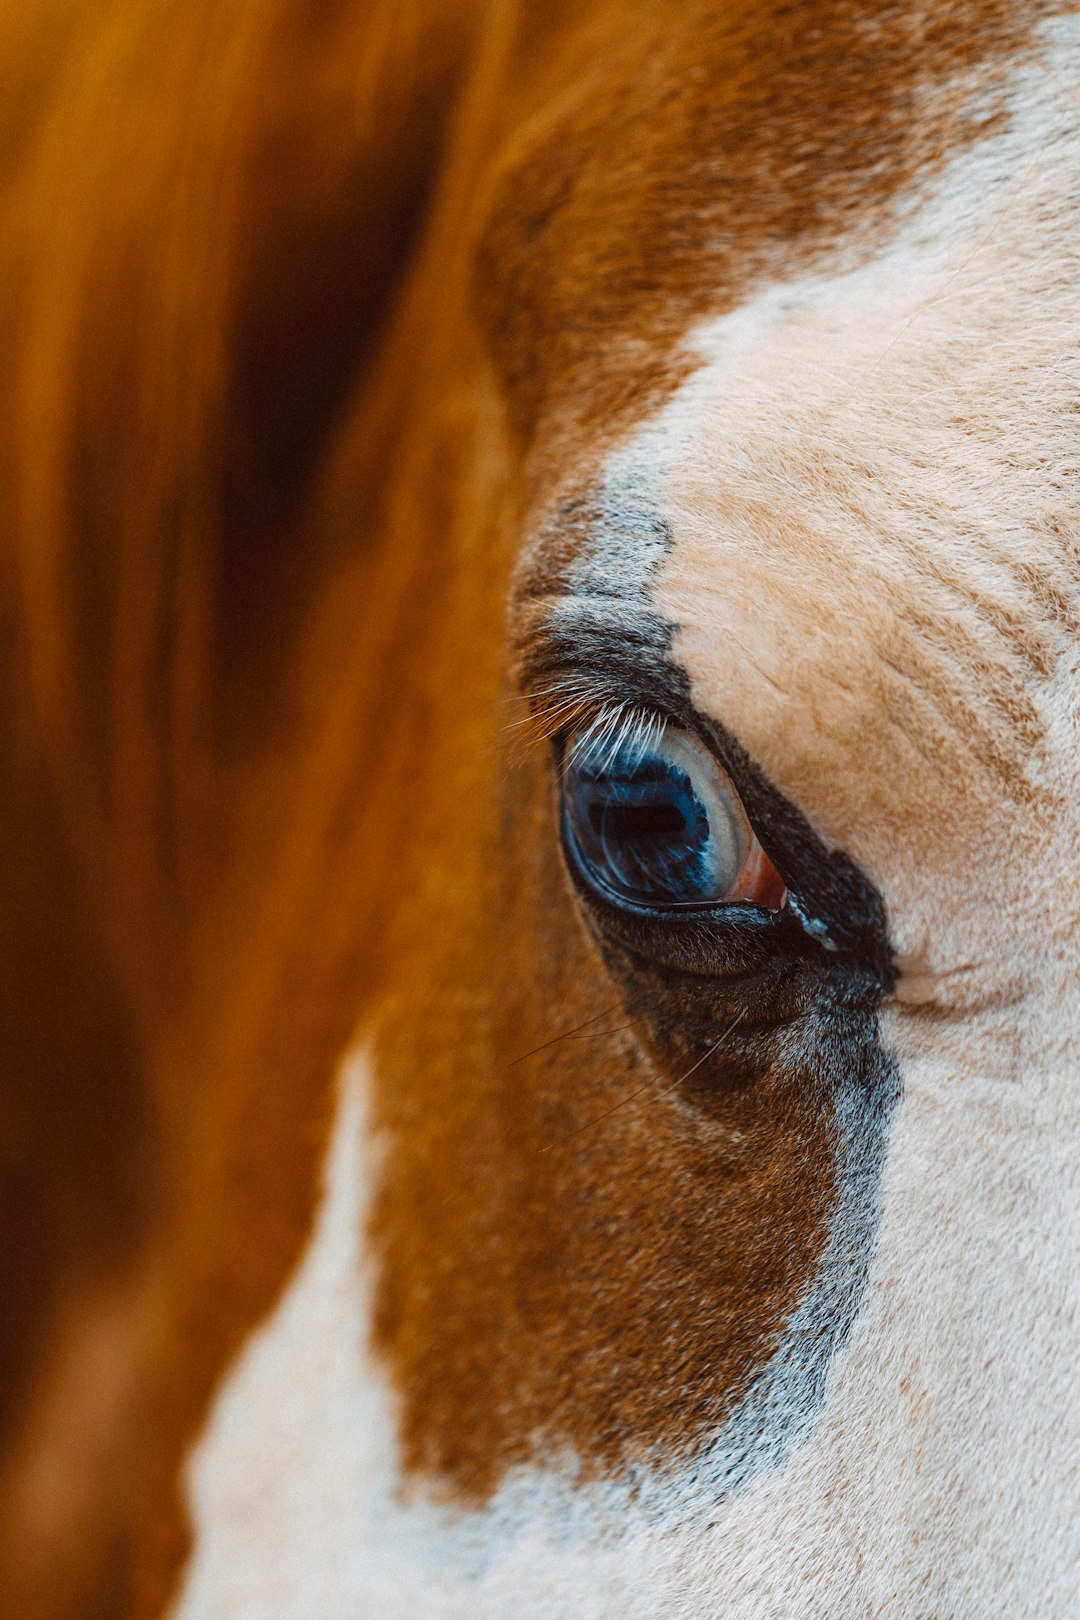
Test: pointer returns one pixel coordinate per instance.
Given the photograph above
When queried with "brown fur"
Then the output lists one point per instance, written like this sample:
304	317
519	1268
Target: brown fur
578	1250
264	484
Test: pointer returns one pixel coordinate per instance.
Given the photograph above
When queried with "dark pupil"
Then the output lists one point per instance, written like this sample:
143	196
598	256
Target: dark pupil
625	823
642	829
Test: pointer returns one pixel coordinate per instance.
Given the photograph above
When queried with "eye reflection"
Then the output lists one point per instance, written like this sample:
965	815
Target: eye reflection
653	818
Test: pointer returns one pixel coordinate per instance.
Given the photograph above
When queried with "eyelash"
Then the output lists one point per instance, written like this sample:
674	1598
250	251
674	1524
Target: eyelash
611	727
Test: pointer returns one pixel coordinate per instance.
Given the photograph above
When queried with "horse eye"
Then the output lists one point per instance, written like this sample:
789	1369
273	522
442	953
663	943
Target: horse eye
655	820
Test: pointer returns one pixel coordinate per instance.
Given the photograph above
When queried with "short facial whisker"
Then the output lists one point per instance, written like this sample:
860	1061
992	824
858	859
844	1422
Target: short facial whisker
665	1091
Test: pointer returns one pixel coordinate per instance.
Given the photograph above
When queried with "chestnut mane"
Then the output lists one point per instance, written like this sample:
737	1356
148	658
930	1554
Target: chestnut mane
208	217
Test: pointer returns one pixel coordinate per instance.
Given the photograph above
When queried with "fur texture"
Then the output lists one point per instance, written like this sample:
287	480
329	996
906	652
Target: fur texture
867	488
731	349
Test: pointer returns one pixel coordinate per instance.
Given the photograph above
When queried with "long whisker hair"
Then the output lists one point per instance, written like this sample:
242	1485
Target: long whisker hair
649	1085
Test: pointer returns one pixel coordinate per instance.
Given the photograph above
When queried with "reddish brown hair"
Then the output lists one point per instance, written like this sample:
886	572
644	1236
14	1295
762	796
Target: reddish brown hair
208	216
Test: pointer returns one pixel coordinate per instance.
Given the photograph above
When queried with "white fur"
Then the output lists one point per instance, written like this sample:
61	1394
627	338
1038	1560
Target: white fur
902	428
887	1511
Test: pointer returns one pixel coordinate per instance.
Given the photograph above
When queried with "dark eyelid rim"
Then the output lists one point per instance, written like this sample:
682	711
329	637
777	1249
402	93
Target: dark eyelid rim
727	941
612	651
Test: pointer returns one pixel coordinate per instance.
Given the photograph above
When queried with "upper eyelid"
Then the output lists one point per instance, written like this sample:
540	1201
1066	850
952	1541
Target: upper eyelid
604	644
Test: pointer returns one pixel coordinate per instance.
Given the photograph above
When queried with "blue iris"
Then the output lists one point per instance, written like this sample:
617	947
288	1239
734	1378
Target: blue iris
653	823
